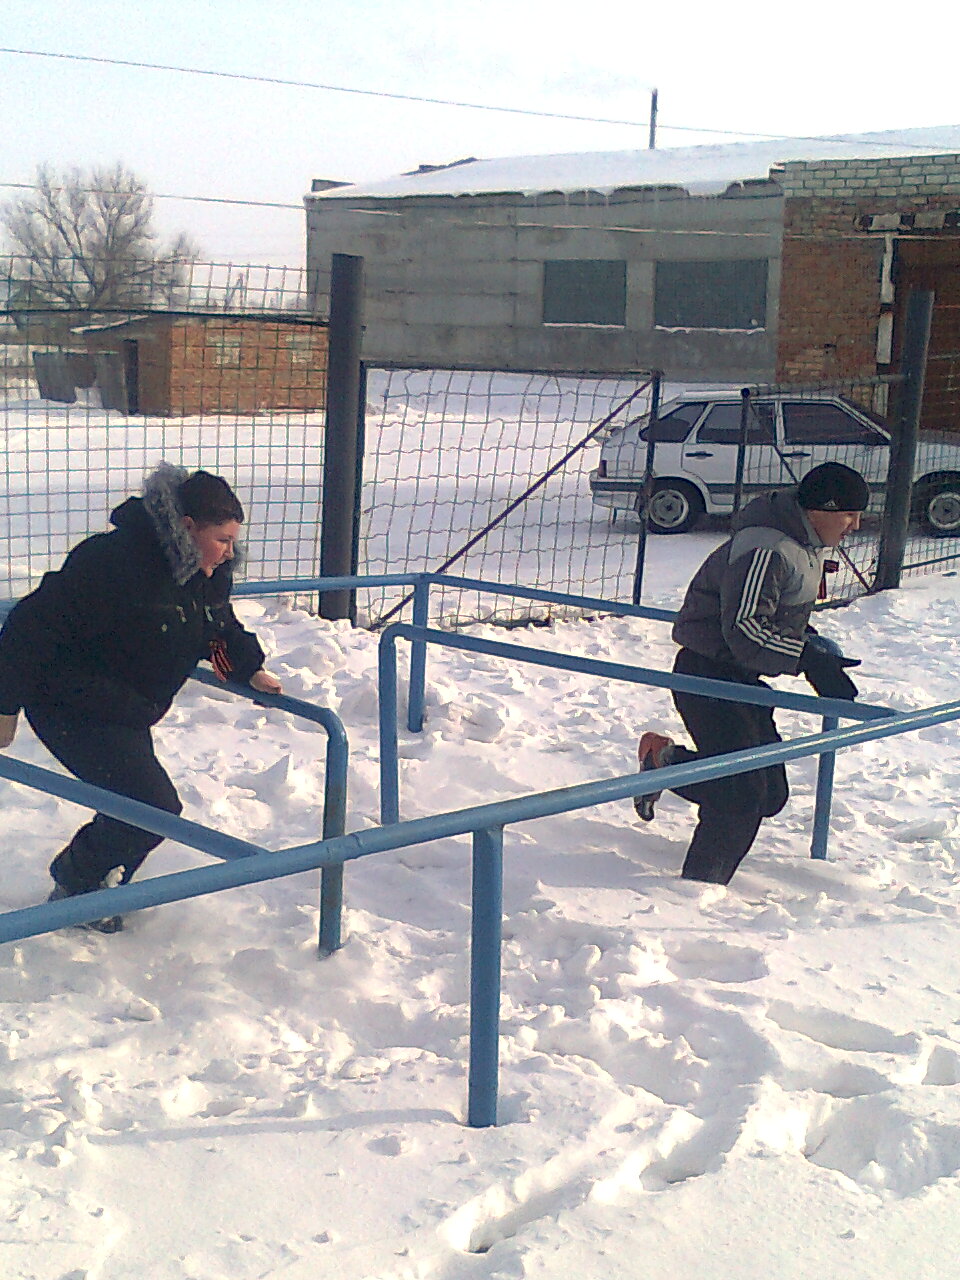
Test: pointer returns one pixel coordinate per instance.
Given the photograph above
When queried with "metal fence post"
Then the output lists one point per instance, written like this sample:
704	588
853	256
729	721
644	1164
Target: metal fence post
334	824
341	447
418	657
389	747
643	508
742	447
821	812
896	510
485	946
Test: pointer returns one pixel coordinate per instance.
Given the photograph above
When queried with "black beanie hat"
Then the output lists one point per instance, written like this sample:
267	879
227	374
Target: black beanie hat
833	487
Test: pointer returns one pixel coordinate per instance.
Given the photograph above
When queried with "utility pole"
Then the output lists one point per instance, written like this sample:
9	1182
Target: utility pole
653	120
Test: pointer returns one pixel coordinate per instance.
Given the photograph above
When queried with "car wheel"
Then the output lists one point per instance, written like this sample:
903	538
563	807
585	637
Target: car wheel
940	509
675	507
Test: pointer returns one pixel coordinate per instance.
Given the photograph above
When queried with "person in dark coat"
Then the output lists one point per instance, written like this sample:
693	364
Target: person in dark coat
95	655
746	614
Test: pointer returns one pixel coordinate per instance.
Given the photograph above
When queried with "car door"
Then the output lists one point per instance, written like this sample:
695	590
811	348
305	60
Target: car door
817	431
710	453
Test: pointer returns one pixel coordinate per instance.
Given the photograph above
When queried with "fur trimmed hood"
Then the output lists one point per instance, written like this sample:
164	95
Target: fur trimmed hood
159	510
161	505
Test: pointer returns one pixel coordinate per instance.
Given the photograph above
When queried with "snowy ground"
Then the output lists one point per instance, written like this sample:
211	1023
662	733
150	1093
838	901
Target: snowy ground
752	1082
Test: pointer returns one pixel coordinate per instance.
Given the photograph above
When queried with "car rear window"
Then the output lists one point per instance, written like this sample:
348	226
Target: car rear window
807	422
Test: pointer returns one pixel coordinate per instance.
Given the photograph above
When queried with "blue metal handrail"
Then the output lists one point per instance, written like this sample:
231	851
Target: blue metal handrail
484	822
831	709
194	835
334	821
247	863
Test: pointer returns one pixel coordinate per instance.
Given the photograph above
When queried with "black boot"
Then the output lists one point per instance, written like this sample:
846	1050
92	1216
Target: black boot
109	924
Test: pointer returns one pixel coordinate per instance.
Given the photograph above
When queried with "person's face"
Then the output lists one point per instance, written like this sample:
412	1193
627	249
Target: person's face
833	526
215	542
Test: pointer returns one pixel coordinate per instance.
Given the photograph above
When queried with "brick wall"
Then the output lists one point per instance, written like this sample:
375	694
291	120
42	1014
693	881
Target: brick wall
835	218
245	366
829	298
895	178
190	365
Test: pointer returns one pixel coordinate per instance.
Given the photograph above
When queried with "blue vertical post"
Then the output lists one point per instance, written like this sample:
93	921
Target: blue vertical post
389	749
485	947
821	813
334	824
418	656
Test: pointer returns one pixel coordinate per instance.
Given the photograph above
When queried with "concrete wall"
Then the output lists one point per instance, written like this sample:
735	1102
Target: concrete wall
458	281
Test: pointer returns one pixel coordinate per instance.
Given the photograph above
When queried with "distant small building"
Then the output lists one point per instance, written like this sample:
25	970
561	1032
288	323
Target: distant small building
172	365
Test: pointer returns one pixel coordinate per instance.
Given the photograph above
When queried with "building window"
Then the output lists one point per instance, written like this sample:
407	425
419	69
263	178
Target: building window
711	295
585	292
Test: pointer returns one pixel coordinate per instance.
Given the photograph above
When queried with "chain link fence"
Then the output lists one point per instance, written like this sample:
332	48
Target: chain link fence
227	372
541	480
485	475
496	476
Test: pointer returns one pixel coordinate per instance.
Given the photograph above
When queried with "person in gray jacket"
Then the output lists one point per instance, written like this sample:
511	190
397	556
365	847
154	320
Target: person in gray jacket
746	614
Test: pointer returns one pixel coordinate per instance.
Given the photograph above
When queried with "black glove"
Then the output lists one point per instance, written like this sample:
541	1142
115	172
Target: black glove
825	671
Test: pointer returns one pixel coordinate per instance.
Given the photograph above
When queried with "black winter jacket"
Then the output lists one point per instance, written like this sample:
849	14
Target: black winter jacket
114	633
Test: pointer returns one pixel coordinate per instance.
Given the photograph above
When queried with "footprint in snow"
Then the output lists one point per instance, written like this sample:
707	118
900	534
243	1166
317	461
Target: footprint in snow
840	1030
717	961
877	1144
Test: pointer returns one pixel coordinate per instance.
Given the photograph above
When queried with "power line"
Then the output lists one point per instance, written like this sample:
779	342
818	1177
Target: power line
327	88
441	102
158	195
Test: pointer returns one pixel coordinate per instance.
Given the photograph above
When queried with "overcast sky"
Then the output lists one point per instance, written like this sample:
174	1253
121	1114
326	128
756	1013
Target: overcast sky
758	67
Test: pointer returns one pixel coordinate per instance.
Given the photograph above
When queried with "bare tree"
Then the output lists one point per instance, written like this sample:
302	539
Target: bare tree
85	242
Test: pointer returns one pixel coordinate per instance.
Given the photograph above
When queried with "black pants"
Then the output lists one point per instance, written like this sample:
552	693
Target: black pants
117	759
731	809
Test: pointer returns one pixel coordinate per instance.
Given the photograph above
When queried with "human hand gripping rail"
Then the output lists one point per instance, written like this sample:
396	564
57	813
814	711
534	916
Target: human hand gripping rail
824	664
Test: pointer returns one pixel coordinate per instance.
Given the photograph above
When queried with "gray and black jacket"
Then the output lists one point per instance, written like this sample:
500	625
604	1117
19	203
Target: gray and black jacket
750	601
113	634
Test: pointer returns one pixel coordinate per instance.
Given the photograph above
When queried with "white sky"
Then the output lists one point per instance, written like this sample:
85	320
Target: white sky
838	68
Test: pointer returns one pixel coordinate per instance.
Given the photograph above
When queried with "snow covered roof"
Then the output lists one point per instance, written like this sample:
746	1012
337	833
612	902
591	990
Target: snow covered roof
704	170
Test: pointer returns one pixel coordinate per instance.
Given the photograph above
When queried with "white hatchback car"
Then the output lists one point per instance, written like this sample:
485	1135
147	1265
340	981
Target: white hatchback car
697	439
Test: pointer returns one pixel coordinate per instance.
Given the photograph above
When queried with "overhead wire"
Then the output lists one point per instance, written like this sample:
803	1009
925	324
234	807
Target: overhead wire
431	101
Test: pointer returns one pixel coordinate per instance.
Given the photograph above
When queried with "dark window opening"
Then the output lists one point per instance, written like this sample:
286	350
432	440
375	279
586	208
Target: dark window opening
722	425
585	292
810	423
675	426
711	295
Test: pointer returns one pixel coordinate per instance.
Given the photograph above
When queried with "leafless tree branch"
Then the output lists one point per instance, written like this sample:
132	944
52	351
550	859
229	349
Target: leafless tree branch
87	242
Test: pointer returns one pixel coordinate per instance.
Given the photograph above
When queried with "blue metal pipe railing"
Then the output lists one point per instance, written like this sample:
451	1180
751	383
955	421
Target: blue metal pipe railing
721	689
334	821
249	864
254	865
192	834
486	945
417	682
422	582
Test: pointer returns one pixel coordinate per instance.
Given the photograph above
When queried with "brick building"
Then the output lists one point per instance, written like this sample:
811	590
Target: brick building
180	365
786	260
858	236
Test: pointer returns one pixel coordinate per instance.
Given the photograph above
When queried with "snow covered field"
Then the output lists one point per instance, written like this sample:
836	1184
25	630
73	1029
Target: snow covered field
752	1082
